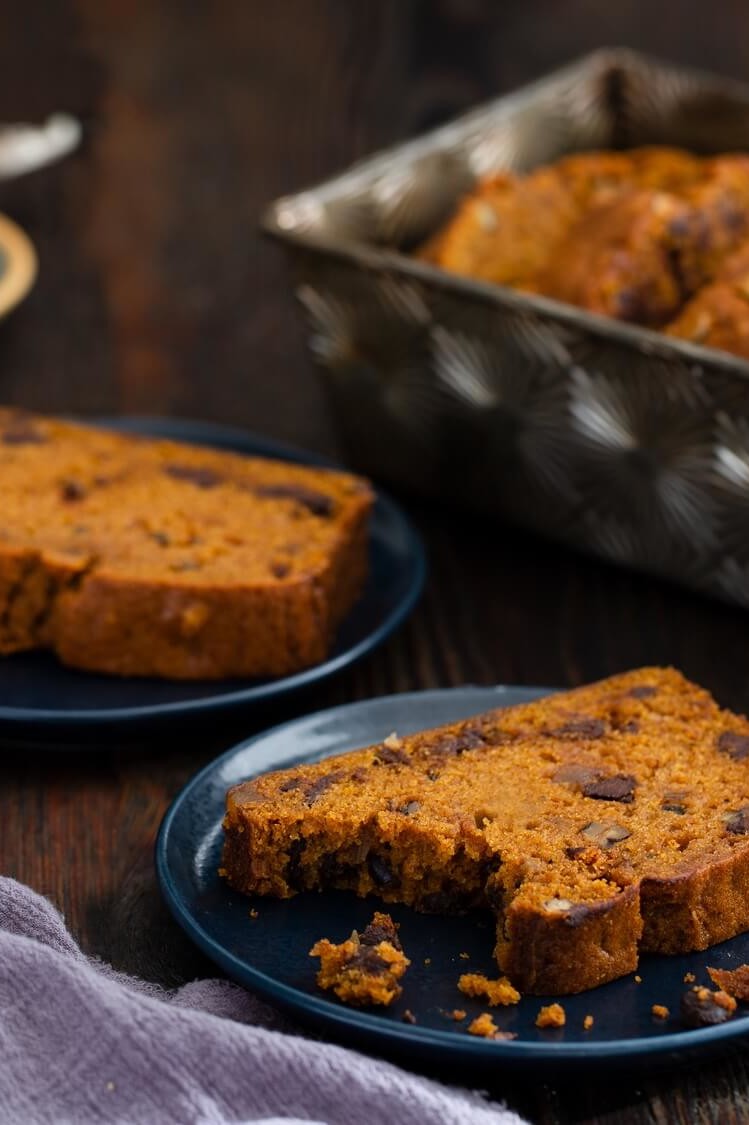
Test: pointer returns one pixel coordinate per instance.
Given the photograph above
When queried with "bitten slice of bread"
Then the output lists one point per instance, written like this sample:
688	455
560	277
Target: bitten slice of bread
152	558
596	824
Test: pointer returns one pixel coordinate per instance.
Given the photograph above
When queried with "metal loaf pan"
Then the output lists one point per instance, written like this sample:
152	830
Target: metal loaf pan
612	438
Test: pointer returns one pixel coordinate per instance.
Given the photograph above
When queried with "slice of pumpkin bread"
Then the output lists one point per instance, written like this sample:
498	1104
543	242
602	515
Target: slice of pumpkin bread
598	823
144	557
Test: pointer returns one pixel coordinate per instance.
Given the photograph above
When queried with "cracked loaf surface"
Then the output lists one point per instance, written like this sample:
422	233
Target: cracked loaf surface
596	824
631	235
145	557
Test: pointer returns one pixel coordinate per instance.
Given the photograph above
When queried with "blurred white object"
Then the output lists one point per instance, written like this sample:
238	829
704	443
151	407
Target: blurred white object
24	148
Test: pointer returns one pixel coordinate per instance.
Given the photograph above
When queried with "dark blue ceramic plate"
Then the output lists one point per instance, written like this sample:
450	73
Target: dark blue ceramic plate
40	699
268	954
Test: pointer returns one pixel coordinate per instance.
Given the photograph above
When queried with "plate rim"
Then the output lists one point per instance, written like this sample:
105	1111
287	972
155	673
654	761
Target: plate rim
464	1048
11	718
22	268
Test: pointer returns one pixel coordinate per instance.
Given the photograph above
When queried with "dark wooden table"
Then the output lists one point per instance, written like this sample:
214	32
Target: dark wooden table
156	295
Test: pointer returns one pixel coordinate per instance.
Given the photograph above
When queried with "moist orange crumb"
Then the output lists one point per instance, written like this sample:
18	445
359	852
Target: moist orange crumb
485	1026
552	1015
660	1011
587	1023
690	978
366	968
495	991
638	979
735	982
458	1014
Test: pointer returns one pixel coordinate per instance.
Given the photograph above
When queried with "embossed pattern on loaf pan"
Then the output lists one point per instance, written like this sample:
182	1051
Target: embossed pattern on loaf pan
616	439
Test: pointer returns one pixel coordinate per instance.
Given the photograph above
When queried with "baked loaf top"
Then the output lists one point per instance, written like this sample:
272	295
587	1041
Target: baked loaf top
631	235
595	823
152	557
509	229
718	315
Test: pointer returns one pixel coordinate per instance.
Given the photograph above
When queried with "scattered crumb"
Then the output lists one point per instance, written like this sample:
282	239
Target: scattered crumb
254	913
110	1086
587	1023
733	981
408	1016
553	1015
464	956
702	1008
458	1014
638	979
721	998
690	978
495	991
427	960
660	1011
393	742
485	1026
367	967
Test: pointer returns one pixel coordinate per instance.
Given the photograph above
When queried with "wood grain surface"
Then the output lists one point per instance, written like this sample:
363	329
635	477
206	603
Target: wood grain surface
157	295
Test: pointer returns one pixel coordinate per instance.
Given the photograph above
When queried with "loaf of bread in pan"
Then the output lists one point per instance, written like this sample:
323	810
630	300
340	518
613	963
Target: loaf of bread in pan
143	557
596	824
631	235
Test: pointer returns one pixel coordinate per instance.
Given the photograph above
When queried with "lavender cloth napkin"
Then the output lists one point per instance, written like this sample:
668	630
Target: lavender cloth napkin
82	1043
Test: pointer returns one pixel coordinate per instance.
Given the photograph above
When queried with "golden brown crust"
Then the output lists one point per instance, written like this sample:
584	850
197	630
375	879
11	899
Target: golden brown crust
697	908
154	558
543	954
618	260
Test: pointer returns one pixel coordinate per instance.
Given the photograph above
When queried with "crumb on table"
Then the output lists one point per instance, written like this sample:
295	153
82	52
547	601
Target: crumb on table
408	1016
495	991
587	1023
552	1015
690	978
660	1011
254	913
464	956
638	979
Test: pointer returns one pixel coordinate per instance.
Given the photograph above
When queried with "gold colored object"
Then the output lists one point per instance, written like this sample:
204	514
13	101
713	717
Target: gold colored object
18	265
